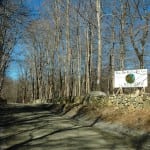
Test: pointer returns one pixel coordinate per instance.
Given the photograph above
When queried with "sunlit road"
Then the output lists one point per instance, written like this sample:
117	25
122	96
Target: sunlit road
38	129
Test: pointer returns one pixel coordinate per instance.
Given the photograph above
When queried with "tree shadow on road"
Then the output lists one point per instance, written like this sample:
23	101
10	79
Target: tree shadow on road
139	142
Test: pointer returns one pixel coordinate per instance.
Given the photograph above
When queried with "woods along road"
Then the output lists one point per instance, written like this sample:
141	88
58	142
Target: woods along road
40	127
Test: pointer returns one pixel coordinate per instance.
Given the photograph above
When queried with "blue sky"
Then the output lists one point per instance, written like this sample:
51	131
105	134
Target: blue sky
33	4
17	57
13	69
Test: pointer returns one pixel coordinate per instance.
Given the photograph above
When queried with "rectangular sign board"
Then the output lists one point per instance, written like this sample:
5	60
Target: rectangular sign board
131	78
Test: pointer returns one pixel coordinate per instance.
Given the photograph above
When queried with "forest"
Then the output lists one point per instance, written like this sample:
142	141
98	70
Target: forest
71	47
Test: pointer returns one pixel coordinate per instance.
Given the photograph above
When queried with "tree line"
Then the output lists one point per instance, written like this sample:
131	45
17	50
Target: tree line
74	46
13	15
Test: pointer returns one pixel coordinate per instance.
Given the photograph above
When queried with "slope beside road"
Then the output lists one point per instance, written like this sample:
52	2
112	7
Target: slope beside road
44	127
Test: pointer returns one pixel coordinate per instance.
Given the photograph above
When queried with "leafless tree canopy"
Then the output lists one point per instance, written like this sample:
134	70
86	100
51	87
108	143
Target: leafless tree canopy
12	14
74	46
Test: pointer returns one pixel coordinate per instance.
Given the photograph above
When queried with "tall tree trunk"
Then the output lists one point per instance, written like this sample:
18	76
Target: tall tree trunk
33	87
90	53
68	49
78	55
112	58
99	55
87	82
122	36
79	65
1	81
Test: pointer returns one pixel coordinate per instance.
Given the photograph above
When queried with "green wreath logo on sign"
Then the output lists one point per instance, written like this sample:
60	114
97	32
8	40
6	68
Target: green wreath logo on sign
130	78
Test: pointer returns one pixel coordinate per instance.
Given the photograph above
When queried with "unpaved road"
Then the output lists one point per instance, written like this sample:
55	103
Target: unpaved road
37	128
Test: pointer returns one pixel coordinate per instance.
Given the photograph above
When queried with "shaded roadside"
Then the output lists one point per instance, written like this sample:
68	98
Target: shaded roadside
63	127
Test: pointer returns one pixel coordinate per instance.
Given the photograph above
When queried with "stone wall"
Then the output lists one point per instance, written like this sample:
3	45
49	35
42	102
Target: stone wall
119	101
122	101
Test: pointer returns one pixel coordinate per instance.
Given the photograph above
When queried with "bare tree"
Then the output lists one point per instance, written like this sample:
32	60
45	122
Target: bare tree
139	36
75	46
11	15
99	55
123	17
68	49
87	86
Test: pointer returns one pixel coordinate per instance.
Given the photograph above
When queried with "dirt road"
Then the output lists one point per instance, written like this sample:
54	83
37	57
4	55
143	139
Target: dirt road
37	128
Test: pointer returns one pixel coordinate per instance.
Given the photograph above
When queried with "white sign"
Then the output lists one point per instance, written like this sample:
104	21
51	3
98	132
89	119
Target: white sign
130	78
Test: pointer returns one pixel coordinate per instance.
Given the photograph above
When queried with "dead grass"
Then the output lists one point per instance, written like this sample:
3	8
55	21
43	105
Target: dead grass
137	118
